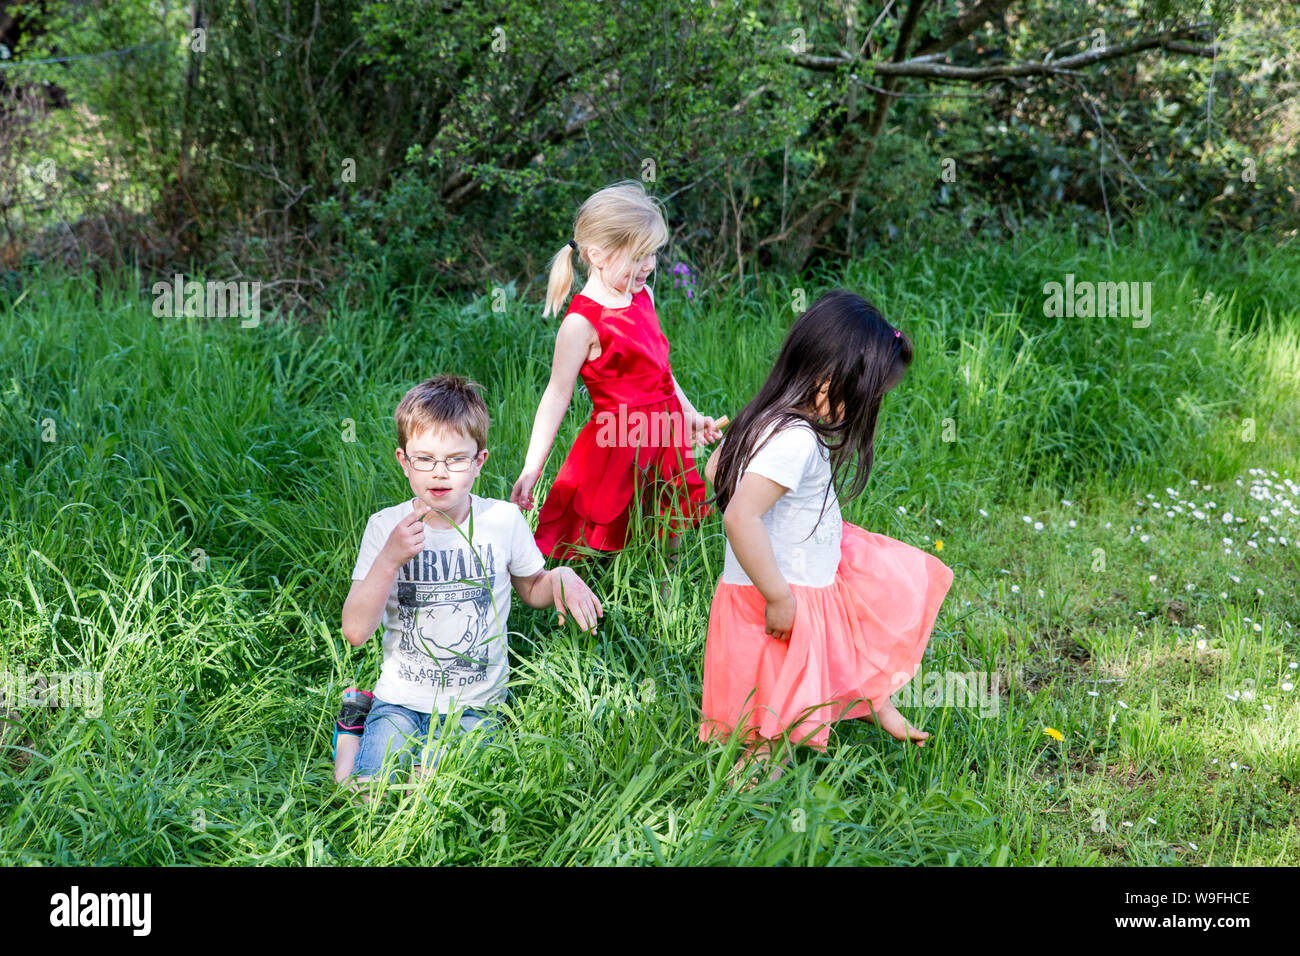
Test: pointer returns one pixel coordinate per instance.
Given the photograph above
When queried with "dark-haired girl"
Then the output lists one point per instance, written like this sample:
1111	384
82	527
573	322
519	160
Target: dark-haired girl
814	619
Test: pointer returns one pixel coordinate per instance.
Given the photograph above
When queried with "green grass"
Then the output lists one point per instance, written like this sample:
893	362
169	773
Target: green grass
189	534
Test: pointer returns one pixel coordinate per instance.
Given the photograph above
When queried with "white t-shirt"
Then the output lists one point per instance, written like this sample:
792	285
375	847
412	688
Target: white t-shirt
797	459
445	621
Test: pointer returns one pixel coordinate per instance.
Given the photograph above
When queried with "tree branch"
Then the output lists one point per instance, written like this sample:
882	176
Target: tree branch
978	74
926	67
962	26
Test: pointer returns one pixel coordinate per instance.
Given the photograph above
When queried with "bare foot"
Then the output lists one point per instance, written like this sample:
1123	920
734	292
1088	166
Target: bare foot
757	760
356	789
895	724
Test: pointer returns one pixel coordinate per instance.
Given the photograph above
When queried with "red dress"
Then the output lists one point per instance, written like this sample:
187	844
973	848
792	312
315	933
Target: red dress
636	436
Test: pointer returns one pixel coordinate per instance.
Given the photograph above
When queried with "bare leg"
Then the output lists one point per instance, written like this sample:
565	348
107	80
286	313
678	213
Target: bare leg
345	756
674	559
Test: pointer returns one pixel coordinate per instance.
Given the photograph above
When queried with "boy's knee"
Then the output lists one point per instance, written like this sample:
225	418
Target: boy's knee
390	732
388	723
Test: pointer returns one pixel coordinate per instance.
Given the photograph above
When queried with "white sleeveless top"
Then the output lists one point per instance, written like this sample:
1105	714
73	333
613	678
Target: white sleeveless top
797	459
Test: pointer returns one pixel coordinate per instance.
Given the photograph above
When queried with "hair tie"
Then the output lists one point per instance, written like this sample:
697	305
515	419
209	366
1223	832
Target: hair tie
573	243
897	333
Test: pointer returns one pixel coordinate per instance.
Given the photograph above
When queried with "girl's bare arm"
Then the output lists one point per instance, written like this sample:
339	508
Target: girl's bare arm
687	407
743	520
572	344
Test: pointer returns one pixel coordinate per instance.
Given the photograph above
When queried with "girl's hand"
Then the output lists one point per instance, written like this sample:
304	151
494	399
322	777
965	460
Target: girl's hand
572	596
779	616
522	493
703	429
407	539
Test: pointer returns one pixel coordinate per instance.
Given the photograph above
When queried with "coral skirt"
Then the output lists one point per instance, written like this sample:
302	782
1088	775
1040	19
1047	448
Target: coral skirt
858	639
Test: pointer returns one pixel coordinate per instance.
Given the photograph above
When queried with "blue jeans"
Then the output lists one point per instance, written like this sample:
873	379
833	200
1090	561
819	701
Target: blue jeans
407	732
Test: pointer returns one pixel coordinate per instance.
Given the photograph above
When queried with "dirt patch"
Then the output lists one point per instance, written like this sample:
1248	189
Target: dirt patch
1060	654
1182	659
1176	612
1130	778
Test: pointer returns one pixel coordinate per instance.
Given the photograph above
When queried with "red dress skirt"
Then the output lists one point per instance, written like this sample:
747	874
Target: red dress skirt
858	639
634	451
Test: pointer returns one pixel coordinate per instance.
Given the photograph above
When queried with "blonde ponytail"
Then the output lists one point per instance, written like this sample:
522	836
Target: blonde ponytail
560	282
620	218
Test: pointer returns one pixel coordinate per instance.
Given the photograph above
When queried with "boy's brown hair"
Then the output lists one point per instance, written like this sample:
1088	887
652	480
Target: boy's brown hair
443	402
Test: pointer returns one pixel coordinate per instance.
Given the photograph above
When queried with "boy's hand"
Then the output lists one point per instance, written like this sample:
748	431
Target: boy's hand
574	597
407	539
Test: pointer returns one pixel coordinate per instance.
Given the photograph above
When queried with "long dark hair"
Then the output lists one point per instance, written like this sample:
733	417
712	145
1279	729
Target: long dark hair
843	339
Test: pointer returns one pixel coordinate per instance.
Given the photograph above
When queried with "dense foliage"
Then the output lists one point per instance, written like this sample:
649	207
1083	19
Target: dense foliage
293	138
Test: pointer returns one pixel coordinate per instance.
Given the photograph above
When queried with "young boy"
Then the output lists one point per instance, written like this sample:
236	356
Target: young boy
437	570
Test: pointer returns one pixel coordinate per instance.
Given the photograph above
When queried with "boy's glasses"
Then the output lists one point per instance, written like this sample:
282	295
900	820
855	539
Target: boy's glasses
428	463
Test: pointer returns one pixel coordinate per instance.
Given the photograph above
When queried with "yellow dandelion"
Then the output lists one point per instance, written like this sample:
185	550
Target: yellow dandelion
938	544
1053	733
